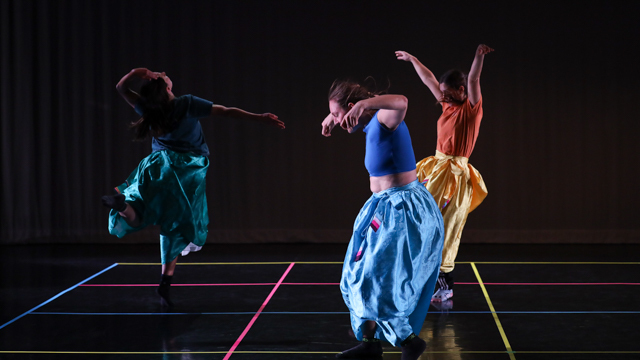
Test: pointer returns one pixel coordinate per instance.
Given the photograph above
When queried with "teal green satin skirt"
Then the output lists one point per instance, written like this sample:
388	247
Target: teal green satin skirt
392	263
167	189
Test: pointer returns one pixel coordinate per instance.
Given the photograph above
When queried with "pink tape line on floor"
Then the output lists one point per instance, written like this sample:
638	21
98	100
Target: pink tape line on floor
255	317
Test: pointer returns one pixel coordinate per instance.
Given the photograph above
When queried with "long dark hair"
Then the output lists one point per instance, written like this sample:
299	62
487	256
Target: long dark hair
157	119
348	91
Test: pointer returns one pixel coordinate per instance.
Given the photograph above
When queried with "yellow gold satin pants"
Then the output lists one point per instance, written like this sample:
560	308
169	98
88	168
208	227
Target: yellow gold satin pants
458	189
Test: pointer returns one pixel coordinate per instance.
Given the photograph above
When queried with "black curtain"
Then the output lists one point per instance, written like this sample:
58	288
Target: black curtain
557	145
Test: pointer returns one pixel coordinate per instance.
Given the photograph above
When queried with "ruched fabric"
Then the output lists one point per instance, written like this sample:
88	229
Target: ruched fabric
458	188
168	189
392	262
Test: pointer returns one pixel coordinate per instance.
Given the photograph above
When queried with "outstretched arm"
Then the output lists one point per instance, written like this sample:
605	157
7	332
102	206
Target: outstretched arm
392	111
425	74
124	85
473	81
266	118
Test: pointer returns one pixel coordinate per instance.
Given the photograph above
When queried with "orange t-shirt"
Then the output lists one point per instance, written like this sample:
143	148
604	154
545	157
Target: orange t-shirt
458	128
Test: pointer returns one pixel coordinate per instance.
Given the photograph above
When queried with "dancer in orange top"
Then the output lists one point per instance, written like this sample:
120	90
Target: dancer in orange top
457	186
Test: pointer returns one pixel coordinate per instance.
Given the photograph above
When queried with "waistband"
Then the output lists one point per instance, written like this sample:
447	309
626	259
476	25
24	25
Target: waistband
390	191
442	156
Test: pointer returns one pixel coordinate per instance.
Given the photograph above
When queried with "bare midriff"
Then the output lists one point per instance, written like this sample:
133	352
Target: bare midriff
381	183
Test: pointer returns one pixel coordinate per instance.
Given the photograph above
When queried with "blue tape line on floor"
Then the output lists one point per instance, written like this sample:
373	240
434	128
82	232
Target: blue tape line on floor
58	295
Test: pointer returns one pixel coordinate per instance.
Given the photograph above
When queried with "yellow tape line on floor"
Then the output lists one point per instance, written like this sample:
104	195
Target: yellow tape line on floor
493	312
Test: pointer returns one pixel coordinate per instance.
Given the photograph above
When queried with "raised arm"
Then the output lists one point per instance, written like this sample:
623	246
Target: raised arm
425	74
124	85
392	111
473	80
266	118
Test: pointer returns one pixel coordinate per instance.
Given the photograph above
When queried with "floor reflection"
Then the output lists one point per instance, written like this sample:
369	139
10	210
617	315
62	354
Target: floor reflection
170	342
441	333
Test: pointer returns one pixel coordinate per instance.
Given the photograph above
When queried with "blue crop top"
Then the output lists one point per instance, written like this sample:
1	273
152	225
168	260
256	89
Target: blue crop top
388	152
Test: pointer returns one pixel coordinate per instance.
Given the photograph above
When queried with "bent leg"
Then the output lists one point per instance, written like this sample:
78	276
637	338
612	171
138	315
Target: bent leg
130	216
125	210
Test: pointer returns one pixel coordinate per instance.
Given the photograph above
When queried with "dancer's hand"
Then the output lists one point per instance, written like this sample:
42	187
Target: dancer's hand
350	119
403	55
125	84
149	75
483	49
327	125
271	119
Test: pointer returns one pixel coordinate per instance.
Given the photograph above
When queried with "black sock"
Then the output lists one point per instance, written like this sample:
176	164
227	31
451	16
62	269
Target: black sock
115	202
449	279
412	347
163	290
368	348
166	280
445	281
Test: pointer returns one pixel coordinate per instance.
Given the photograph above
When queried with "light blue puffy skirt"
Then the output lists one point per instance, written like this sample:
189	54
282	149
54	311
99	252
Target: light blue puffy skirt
393	260
167	189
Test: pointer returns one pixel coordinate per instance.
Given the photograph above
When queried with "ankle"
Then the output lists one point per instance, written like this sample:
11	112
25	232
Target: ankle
165	280
408	339
412	347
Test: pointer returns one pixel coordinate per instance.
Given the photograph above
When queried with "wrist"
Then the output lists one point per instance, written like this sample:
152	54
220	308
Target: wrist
363	104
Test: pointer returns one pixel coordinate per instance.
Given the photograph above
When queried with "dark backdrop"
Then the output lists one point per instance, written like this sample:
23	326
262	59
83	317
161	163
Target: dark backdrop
557	148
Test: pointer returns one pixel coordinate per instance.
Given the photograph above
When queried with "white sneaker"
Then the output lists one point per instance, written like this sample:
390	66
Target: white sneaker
444	287
442	295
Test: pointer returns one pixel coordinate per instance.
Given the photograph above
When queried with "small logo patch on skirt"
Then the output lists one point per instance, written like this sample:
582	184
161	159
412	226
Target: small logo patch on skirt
375	223
360	252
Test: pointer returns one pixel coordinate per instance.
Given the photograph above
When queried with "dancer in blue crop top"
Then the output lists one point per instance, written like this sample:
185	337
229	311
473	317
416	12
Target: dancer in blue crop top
393	259
388	151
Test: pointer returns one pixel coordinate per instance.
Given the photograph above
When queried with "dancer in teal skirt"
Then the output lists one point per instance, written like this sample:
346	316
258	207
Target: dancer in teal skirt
168	187
393	259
